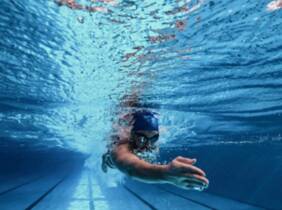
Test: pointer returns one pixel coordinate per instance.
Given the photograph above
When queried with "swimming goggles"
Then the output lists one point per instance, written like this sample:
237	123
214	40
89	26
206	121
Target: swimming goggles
144	139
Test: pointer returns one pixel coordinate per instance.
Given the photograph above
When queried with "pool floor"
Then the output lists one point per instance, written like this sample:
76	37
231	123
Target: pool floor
82	190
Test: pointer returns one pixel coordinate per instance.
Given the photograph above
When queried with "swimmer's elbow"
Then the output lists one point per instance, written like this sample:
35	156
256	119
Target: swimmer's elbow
135	168
119	159
125	162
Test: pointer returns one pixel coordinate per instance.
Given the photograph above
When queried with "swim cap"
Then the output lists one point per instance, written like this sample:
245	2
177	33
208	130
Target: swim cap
145	120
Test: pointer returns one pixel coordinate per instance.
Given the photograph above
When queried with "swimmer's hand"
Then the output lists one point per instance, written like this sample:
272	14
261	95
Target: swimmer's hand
182	173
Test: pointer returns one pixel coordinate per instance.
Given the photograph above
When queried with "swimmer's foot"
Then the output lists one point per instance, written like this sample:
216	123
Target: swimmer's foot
104	165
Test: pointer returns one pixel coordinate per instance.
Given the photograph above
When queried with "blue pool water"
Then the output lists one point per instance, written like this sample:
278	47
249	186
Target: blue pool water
212	70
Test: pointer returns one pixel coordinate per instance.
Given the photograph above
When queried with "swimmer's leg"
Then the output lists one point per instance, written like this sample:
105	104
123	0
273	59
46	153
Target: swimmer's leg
104	163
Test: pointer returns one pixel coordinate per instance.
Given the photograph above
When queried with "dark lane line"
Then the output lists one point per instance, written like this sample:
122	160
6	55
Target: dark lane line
90	193
244	203
31	206
20	185
140	198
189	199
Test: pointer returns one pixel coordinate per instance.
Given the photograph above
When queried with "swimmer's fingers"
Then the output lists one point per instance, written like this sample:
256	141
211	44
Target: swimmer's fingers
191	184
186	160
196	178
188	168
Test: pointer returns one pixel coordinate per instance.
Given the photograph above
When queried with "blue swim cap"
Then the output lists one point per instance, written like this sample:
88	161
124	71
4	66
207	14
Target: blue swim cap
145	120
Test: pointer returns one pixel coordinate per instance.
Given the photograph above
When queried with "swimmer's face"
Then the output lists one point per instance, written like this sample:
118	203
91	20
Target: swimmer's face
145	139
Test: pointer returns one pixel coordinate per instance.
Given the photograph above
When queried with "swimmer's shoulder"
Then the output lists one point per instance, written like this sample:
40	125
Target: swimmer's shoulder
119	139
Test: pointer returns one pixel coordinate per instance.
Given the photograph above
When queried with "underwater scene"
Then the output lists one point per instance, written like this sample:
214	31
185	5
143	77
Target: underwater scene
122	104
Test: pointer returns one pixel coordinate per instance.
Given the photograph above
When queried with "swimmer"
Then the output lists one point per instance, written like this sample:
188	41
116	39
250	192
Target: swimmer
140	132
274	5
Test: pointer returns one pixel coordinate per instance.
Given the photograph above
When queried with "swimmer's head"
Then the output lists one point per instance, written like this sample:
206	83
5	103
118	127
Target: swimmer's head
145	130
145	121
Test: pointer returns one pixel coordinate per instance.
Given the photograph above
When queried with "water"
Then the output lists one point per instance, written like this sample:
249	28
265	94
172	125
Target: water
211	70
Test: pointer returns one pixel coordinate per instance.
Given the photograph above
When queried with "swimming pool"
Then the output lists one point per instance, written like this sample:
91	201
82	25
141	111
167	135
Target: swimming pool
211	70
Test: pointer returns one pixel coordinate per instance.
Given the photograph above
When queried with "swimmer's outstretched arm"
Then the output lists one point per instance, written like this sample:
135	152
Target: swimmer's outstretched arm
180	172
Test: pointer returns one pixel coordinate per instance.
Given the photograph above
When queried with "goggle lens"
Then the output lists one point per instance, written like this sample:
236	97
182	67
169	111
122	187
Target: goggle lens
145	139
